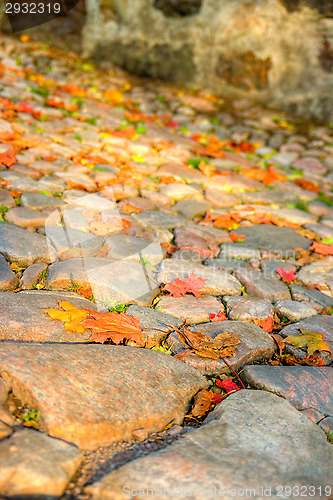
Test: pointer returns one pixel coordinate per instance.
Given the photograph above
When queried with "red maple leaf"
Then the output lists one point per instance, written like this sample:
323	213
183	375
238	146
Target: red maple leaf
286	276
267	324
220	316
321	248
192	284
227	385
216	398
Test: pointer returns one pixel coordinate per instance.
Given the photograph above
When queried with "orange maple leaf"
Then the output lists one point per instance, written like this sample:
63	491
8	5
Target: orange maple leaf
8	158
321	248
118	327
308	185
267	324
192	284
236	238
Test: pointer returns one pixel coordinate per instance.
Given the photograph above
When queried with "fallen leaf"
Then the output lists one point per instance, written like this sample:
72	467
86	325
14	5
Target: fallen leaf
115	326
8	158
236	238
227	385
308	185
202	403
292	360
206	347
192	284
321	248
287	277
279	342
220	316
311	340
71	315
267	324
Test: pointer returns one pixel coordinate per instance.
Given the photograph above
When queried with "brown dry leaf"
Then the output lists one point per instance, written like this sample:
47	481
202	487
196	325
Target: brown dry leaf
115	326
202	403
71	315
279	342
204	346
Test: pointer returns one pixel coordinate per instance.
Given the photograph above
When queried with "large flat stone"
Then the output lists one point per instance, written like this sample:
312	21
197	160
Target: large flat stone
258	285
280	240
308	388
189	308
255	345
111	281
23	247
155	219
22	318
218	282
94	395
71	243
122	246
34	465
252	442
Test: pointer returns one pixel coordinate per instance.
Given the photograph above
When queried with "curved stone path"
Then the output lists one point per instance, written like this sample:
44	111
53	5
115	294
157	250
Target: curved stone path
110	188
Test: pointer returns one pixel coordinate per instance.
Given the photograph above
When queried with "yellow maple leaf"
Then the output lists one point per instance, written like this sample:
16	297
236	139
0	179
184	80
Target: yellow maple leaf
70	314
312	340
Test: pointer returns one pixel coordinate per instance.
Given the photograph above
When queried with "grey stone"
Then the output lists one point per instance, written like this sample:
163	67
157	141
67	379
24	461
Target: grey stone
72	243
240	250
220	199
321	230
218	282
6	199
26	217
32	275
189	308
152	320
255	345
248	308
19	313
156	219
23	247
308	388
294	311
269	267
318	273
285	159
192	209
111	281
36	465
178	191
225	263
76	389
40	201
275	443
258	285
134	248
8	279
300	293
280	240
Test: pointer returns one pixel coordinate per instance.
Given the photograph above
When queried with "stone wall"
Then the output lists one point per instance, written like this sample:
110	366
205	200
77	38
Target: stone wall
276	52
